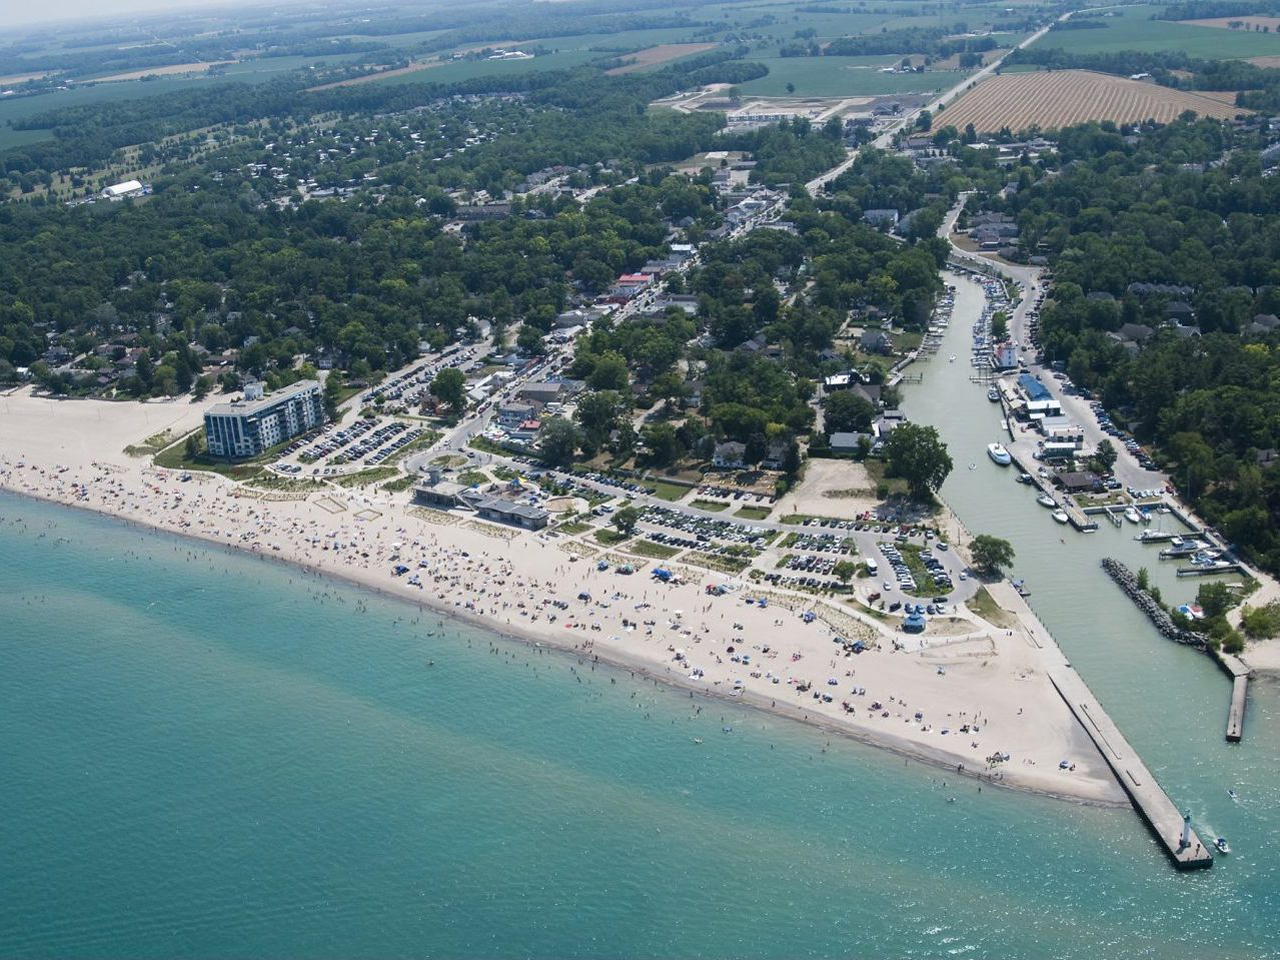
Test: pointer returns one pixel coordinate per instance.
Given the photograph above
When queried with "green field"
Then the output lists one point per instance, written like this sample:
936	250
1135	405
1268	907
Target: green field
1132	29
470	69
842	77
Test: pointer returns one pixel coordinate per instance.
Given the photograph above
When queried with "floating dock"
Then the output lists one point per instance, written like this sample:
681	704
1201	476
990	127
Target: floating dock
1147	795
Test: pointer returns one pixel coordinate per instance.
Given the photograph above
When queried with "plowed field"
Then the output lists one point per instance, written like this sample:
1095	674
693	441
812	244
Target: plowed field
1060	98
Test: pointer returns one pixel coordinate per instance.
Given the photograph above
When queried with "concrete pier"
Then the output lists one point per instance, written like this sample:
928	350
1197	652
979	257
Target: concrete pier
1152	803
1147	795
1239	674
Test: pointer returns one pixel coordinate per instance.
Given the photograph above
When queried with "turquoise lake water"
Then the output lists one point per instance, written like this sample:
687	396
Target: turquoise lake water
210	755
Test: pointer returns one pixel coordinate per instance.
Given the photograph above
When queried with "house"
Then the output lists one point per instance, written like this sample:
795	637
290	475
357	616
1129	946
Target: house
875	341
1079	482
776	455
629	284
843	442
878	217
514	414
728	455
483	211
1004	356
549	391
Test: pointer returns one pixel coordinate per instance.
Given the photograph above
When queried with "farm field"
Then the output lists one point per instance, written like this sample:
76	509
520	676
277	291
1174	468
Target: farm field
470	69
663	53
841	77
171	70
1061	98
1132	29
1250	23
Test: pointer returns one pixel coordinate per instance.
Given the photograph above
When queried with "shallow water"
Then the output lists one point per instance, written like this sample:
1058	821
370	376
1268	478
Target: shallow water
211	754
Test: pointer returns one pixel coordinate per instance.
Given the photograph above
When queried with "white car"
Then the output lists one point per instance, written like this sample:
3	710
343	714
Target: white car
888	586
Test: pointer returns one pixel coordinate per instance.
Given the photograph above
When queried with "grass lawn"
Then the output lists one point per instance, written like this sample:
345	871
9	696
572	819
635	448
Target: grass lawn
472	478
1133	29
574	526
647	548
365	477
664	490
709	505
175	457
400	483
985	606
753	513
610	537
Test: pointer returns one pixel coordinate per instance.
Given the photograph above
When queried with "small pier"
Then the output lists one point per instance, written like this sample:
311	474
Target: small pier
1209	570
1162	536
1147	795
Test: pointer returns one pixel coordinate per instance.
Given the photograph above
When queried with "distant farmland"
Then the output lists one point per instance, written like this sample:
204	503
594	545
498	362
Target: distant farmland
652	56
1060	98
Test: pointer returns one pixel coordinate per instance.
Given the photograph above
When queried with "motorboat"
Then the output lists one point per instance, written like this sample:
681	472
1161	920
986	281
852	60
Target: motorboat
1061	516
994	395
1222	845
1132	515
1024	478
953	358
999	454
1046	501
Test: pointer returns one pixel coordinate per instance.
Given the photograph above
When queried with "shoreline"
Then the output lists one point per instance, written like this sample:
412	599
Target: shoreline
612	658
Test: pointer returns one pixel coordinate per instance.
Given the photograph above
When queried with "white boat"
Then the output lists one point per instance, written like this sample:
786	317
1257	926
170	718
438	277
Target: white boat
1046	501
1222	845
1132	515
993	395
1061	516
953	358
999	454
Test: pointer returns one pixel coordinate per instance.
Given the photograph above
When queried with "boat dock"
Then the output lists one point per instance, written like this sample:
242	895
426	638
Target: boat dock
1239	694
1147	795
1208	570
1077	517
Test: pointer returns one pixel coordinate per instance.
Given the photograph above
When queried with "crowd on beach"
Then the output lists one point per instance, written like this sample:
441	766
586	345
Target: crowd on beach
527	586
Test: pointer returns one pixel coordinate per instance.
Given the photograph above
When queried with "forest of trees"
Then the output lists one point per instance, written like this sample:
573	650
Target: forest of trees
1202	386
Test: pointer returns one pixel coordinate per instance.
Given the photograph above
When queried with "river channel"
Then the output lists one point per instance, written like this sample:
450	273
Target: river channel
1170	701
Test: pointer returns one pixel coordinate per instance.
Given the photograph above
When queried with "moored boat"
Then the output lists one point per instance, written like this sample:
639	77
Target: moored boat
994	395
1132	515
999	454
1061	516
1046	501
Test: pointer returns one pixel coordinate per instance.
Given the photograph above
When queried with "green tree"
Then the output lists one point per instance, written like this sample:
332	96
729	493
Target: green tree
917	454
1105	456
191	449
662	443
450	386
1215	599
558	442
846	412
624	521
990	554
844	571
333	386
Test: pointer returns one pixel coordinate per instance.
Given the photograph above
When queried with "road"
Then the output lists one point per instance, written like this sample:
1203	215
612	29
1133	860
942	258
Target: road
907	120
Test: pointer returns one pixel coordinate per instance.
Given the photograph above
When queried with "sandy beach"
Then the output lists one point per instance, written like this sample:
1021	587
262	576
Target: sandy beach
964	698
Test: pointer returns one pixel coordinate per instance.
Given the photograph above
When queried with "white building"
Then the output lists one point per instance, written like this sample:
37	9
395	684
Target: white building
118	191
246	428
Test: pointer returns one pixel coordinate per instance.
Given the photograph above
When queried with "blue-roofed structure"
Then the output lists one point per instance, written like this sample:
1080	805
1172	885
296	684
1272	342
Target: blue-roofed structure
1033	388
